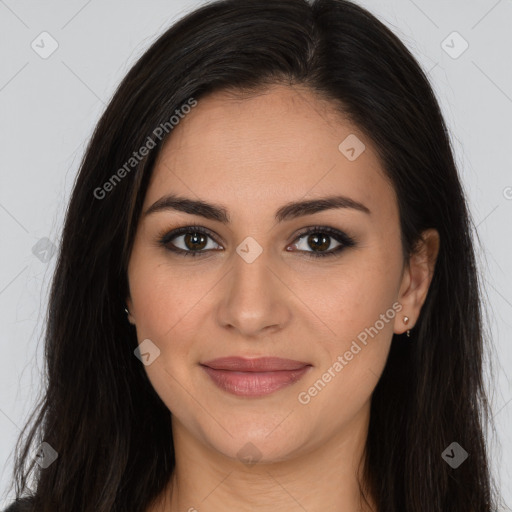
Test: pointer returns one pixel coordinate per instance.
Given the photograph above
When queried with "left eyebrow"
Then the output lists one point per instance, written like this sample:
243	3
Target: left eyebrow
287	212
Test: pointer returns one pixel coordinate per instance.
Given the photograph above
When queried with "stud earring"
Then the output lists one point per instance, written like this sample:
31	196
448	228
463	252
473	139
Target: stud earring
128	316
406	321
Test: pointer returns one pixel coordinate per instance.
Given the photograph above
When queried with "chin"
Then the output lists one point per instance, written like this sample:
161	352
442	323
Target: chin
257	443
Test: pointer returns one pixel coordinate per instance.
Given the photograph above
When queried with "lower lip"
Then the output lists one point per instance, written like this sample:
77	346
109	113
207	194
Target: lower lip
254	383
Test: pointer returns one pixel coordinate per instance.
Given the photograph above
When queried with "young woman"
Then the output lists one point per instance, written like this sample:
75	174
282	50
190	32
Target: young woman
266	295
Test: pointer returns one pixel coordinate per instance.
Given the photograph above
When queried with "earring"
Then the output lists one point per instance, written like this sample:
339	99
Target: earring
128	316
406	321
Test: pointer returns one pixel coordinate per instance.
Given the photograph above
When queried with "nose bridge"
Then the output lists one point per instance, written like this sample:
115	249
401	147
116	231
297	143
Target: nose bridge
251	274
254	299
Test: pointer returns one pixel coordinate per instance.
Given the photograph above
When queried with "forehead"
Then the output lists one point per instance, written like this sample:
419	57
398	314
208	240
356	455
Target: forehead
263	150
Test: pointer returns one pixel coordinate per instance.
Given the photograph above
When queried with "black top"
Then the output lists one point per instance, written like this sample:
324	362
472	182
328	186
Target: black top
21	505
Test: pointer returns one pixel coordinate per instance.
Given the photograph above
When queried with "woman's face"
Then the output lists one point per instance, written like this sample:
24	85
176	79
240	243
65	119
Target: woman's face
255	288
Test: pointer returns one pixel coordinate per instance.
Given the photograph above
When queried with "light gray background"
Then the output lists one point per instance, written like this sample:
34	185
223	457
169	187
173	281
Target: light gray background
50	106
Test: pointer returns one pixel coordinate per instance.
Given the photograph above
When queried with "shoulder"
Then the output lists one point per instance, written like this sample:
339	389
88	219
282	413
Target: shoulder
21	505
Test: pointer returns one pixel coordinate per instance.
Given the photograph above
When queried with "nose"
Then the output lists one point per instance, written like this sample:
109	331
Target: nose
256	301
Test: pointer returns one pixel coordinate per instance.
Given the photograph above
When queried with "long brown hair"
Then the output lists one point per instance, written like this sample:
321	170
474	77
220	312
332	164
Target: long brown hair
99	404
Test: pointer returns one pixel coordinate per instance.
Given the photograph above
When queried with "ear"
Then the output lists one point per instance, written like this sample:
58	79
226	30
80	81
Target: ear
416	279
129	307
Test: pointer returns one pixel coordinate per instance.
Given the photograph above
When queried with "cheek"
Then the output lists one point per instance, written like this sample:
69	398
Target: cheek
162	296
169	305
357	296
161	301
351	364
359	308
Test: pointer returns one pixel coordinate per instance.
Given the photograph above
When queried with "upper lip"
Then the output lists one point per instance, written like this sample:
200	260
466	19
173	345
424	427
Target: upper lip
261	364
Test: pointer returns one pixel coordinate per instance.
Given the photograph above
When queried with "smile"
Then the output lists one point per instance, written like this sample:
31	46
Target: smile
254	377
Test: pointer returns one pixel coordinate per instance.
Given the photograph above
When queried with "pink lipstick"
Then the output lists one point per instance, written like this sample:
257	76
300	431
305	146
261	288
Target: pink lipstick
254	377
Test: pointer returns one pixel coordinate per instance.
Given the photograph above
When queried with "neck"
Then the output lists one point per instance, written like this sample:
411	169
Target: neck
321	478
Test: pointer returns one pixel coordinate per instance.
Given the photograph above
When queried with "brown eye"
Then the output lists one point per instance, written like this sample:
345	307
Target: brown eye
189	241
320	239
195	241
319	242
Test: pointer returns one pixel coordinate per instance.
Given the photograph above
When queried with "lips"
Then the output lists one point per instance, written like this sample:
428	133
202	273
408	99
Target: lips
254	377
262	364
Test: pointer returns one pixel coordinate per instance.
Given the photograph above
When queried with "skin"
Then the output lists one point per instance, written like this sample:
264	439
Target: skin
253	155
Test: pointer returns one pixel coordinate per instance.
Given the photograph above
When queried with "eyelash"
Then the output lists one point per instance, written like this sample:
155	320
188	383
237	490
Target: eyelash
346	241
